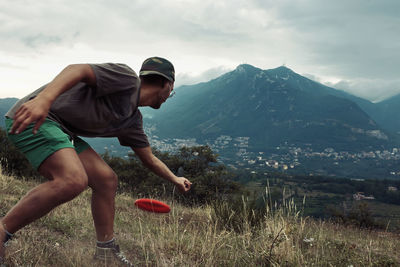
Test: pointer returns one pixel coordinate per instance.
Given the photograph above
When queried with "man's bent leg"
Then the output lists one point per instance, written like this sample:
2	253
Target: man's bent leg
103	182
67	179
2	239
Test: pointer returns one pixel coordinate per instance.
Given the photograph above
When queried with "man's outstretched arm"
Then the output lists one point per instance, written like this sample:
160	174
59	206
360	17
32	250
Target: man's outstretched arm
158	167
37	109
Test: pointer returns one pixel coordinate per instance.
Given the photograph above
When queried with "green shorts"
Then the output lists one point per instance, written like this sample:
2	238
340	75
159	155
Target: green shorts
49	138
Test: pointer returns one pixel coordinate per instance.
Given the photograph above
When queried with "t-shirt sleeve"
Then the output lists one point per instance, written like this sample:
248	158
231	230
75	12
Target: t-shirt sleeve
113	77
133	137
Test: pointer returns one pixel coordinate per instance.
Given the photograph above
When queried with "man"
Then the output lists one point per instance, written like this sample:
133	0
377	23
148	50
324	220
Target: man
93	100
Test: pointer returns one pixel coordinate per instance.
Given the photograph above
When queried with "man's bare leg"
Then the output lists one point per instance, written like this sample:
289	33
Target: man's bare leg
2	238
67	179
103	182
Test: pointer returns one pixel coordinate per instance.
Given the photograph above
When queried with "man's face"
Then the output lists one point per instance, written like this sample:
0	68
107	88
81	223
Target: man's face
163	94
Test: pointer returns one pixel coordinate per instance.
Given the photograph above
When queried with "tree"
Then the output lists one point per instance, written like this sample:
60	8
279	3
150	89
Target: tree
210	180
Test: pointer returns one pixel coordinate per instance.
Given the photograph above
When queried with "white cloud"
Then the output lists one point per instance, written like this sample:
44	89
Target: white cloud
350	40
374	90
188	78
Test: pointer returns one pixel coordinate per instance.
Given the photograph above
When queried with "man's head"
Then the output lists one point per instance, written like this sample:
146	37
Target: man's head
159	66
158	74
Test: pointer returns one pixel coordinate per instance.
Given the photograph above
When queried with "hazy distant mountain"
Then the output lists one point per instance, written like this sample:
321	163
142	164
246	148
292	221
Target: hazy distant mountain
272	107
388	113
5	105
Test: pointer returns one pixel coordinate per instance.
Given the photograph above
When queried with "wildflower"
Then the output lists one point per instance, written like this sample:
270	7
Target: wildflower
308	240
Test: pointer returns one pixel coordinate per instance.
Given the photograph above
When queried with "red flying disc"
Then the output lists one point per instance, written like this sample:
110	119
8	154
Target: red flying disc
152	205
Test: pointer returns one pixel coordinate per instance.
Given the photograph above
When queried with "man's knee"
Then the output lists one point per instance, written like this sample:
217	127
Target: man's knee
77	186
106	180
70	185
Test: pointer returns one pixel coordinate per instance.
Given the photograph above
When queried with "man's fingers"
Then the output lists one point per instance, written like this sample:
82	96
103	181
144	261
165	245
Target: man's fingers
184	184
187	184
15	126
20	116
38	124
21	123
19	111
22	126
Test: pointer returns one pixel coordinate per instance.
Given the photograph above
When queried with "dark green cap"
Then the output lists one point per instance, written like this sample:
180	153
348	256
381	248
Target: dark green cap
160	66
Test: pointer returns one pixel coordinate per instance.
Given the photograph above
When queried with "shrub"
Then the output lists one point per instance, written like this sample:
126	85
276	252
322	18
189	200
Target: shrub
198	164
359	215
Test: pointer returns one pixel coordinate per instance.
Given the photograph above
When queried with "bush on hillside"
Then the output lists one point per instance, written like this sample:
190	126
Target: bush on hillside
359	215
198	164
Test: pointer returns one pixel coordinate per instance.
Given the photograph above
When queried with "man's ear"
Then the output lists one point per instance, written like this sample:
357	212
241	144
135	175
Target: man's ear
171	85
166	84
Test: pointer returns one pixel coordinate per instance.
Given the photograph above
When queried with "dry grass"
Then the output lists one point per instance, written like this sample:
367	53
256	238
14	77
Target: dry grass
191	237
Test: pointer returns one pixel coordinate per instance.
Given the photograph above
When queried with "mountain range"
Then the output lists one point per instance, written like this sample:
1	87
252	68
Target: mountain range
5	105
272	107
275	107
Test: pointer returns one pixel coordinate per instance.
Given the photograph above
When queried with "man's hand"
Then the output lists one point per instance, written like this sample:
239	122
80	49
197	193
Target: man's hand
158	167
37	109
34	110
183	184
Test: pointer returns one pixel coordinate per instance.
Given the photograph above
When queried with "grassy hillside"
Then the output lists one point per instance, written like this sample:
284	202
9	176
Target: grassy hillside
191	237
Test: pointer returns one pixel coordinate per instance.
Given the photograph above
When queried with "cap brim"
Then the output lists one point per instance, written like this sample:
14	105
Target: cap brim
147	72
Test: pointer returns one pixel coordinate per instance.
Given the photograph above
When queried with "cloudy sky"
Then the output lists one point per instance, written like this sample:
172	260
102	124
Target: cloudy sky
352	45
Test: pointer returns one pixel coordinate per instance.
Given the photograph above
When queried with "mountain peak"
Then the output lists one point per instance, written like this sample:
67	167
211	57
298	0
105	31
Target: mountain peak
283	67
246	68
282	70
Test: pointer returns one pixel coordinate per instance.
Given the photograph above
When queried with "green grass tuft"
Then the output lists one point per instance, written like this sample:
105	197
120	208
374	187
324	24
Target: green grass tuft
220	234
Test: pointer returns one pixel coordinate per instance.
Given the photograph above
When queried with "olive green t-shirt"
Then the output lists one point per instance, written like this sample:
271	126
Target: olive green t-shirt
108	110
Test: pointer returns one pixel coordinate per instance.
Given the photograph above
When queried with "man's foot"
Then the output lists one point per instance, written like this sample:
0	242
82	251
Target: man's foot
106	254
110	253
